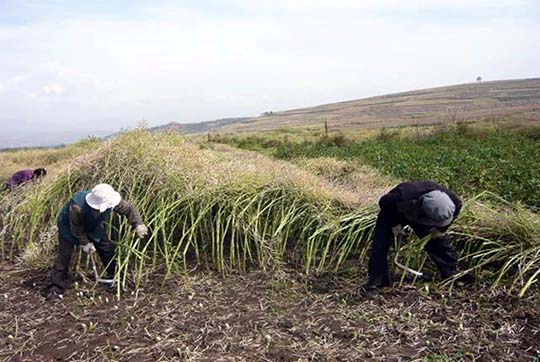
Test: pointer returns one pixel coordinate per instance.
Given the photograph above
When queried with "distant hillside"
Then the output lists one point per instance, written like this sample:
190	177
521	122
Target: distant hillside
201	127
509	100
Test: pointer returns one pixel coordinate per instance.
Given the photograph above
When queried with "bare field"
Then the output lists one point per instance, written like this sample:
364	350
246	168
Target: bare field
264	317
512	100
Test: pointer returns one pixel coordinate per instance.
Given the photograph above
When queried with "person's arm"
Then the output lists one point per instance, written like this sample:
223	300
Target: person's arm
12	182
76	225
9	183
126	209
388	201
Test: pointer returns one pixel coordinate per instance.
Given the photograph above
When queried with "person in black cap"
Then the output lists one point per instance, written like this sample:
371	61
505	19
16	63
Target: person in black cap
428	208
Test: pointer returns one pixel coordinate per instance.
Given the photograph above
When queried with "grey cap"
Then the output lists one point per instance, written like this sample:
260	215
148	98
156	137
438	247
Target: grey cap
438	208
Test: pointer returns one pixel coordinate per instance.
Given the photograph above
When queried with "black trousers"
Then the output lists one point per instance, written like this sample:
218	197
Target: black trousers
439	249
59	274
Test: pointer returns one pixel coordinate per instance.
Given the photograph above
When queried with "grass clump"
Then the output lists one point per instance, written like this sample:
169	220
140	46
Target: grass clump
227	210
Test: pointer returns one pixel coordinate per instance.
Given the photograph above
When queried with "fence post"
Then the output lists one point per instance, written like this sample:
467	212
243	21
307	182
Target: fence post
325	129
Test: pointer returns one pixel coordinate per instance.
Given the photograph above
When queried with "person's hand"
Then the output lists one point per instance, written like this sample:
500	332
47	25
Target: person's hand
141	231
436	233
88	248
398	230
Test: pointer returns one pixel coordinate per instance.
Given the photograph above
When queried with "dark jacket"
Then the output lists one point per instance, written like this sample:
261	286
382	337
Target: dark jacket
80	224
402	198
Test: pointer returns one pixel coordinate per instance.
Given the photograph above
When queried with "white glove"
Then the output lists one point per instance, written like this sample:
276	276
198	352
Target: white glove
398	230
88	248
141	231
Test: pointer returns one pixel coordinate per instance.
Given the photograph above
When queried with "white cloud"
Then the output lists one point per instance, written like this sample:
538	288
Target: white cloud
303	6
198	64
52	89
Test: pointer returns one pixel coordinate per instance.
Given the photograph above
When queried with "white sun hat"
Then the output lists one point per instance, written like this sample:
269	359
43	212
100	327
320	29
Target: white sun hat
103	197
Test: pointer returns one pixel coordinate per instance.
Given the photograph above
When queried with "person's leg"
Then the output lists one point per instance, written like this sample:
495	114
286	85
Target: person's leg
443	255
59	279
378	272
106	250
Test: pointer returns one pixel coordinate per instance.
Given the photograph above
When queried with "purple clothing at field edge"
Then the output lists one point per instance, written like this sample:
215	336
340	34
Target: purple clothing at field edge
20	178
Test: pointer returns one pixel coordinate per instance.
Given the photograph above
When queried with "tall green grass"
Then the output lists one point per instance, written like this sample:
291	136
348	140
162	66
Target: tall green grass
232	210
228	211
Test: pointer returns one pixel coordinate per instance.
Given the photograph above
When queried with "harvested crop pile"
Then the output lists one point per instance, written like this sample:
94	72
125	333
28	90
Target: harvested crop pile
228	209
234	210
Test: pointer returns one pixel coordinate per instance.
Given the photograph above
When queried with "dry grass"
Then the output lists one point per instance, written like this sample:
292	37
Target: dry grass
514	100
232	209
364	183
50	158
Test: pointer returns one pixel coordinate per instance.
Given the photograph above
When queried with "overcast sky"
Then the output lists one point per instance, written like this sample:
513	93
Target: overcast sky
103	65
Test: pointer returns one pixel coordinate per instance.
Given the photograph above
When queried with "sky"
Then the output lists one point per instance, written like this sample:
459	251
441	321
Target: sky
93	67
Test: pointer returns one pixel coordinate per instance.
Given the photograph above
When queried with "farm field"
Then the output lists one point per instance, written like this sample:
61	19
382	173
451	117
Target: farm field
515	100
469	158
258	256
269	181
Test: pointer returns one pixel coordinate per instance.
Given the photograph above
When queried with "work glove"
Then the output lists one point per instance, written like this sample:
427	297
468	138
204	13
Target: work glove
88	248
141	231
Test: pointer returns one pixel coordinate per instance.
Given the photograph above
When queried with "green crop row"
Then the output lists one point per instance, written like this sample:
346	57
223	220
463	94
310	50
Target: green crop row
500	161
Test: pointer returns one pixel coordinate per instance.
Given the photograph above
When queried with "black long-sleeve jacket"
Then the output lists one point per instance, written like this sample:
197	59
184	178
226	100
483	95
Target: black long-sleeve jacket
403	198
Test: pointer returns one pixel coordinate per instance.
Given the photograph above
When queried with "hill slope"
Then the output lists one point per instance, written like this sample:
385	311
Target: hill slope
509	99
200	127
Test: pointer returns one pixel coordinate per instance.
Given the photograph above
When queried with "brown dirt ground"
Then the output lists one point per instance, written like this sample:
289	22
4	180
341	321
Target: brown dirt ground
258	317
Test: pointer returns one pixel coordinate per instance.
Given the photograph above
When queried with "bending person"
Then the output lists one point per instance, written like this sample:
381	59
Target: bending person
82	222
22	177
428	208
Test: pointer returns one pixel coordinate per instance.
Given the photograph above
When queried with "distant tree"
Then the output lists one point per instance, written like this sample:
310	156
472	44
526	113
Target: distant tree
479	79
268	114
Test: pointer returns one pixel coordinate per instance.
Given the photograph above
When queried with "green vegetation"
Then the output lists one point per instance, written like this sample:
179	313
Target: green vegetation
469	161
233	210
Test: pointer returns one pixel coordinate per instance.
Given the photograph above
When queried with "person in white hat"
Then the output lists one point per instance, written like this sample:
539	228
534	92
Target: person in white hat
82	222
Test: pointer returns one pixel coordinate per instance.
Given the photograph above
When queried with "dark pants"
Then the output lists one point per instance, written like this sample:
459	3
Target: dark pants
439	249
59	275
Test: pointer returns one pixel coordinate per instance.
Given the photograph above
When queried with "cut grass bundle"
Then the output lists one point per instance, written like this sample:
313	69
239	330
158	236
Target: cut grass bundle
236	210
502	239
229	210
